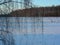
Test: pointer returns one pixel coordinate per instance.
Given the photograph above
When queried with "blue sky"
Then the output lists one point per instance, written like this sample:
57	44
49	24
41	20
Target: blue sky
46	2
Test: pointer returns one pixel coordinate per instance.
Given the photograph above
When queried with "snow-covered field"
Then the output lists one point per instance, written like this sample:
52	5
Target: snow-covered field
28	31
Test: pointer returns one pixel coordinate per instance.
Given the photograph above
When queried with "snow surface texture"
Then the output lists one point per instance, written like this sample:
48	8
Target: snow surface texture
28	30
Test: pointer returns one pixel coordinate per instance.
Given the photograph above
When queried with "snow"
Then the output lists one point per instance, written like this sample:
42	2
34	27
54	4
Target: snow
28	30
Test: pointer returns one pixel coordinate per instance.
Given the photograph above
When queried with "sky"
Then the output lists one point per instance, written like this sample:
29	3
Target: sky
46	2
40	3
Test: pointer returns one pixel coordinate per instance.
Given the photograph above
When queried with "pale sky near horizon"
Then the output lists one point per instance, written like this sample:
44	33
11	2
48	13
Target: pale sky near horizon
46	2
43	3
